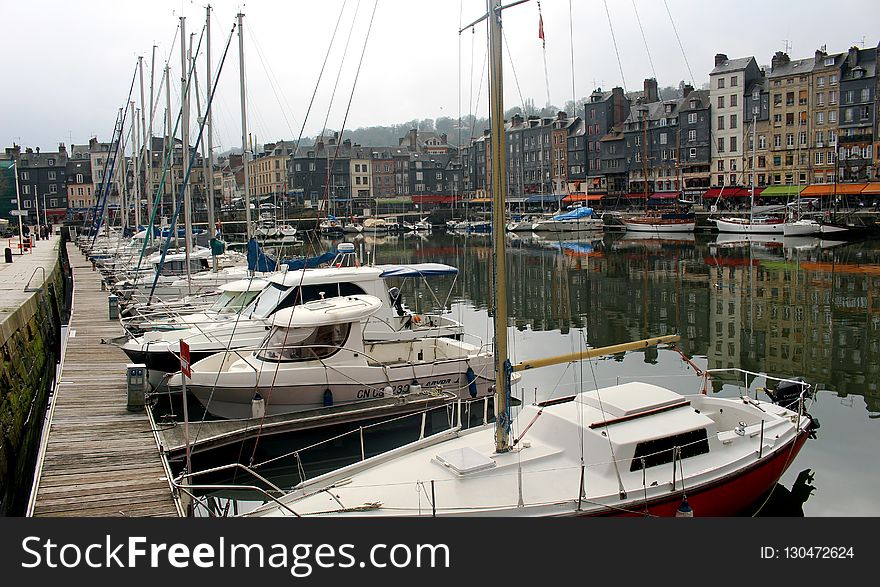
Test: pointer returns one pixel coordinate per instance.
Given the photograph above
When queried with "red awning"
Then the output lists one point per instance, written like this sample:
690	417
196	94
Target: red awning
665	196
435	199
731	192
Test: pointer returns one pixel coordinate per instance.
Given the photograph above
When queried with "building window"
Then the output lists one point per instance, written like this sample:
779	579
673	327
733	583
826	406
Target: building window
720	83
663	138
820	157
720	123
721	165
802	139
692	135
51	162
53	188
762	142
720	144
26	189
733	147
820	118
733	121
25	176
848	115
733	101
721	101
832	79
692	154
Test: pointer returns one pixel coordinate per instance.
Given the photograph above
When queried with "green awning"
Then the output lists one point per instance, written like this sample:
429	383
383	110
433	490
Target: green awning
782	190
406	200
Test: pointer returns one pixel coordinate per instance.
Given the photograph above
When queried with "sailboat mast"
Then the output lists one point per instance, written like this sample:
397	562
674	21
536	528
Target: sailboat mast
148	152
209	124
143	146
170	147
184	138
244	133
754	145
499	190
135	154
645	154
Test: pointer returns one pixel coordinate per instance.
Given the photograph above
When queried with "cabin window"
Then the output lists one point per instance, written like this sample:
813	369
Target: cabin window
304	344
660	451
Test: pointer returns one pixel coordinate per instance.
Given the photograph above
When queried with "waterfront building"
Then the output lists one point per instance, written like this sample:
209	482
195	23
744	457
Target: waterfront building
727	84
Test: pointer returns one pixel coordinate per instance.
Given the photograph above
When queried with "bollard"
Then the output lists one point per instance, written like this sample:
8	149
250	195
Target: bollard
113	302
136	380
8	254
103	285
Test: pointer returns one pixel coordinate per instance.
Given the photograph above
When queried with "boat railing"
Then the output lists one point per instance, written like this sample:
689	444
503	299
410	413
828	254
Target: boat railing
182	485
459	415
807	389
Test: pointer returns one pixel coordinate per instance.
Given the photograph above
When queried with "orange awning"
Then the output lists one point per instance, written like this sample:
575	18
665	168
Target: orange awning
872	188
830	189
570	199
480	201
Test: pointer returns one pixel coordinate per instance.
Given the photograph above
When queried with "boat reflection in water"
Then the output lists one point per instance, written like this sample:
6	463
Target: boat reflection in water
780	306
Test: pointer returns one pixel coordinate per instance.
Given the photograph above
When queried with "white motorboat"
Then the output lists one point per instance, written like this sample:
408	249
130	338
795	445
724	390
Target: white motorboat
375	226
315	355
578	219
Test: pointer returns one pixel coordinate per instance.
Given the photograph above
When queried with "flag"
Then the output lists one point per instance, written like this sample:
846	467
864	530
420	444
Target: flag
541	29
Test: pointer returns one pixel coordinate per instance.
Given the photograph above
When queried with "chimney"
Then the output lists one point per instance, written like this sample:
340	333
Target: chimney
720	58
38	150
651	94
779	58
413	139
853	57
62	149
347	143
29	150
517	120
618	104
820	54
686	90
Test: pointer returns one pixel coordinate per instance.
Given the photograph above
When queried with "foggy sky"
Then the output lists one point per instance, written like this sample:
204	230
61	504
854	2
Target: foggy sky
68	65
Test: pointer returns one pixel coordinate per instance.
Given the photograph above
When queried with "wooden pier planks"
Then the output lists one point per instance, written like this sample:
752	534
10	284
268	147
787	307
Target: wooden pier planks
100	459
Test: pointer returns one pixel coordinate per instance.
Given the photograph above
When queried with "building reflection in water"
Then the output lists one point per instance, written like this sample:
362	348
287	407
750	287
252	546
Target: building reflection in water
802	307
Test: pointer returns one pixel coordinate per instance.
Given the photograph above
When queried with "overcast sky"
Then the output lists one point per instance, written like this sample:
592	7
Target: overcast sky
68	65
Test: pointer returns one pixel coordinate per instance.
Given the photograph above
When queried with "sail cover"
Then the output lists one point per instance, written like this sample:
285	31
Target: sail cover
417	270
581	212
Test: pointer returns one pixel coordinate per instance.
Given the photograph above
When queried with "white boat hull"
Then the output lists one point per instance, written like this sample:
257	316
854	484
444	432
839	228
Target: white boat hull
801	228
664	227
569	225
746	227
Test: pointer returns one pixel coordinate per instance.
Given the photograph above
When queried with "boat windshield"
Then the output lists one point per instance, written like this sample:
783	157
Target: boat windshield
232	302
304	344
267	301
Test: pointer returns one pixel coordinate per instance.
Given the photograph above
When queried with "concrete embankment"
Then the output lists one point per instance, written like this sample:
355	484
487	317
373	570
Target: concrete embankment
33	291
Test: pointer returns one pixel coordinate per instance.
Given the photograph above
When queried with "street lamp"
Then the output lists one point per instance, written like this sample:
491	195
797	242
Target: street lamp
18	199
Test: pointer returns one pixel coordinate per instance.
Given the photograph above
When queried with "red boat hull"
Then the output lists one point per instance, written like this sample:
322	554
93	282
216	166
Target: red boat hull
728	496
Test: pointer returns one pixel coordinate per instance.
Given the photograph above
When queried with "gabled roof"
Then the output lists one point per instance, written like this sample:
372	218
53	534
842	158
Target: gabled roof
793	67
732	65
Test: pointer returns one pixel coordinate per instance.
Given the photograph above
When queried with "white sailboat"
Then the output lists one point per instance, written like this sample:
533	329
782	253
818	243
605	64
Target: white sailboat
631	449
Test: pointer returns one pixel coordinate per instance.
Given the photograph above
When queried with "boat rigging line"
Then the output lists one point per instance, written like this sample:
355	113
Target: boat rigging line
645	40
683	54
616	51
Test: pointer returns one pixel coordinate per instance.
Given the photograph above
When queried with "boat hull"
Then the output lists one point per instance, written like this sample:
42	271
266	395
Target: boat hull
650	226
801	228
354	385
569	225
746	227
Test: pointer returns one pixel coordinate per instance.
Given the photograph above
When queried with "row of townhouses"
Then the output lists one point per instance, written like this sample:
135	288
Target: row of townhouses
782	127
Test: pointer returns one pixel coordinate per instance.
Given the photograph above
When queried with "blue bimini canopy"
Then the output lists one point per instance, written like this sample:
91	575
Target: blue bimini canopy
581	212
417	270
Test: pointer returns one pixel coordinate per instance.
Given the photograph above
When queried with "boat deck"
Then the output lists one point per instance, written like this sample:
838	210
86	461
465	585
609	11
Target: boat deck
99	458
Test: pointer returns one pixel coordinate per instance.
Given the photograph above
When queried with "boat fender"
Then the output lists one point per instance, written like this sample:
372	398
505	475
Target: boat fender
415	386
684	510
328	398
258	406
472	382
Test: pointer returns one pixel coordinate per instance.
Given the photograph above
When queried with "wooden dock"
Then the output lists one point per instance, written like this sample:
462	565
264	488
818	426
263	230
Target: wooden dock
99	458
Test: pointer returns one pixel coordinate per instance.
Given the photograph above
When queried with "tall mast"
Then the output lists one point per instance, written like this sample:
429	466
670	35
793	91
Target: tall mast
135	152
143	142
146	139
18	203
645	154
499	189
754	145
209	124
184	137
244	134
170	146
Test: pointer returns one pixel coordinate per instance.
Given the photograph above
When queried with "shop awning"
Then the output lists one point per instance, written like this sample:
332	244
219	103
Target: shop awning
403	200
830	189
435	199
480	201
664	196
544	198
872	189
782	190
731	192
572	198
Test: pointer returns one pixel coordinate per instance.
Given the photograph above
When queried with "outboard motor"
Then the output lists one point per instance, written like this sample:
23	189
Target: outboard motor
788	392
